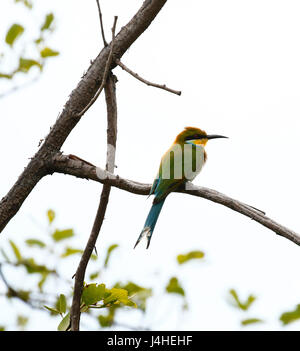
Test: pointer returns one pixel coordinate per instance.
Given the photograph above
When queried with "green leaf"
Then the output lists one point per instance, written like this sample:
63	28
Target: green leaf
51	216
109	251
13	33
32	267
22	294
251	321
62	234
138	293
62	303
35	242
65	323
93	293
106	321
84	308
15	250
52	310
42	281
27	3
48	21
71	251
94	275
47	52
5	75
22	320
190	256
292	316
117	296
174	287
26	64
39	40
242	305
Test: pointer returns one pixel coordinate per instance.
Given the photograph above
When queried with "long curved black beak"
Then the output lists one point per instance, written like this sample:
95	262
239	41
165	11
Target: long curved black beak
215	136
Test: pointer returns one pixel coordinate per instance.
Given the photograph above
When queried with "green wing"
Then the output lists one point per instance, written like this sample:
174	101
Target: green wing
170	175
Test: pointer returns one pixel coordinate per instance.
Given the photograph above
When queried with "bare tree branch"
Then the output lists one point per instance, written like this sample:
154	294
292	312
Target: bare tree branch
101	23
135	75
62	164
39	166
108	84
111	104
106	70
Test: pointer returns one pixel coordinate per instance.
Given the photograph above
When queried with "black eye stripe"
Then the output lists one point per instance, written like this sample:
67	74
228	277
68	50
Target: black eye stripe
195	136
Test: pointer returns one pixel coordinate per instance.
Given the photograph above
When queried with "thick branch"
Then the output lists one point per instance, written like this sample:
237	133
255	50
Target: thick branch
78	100
62	164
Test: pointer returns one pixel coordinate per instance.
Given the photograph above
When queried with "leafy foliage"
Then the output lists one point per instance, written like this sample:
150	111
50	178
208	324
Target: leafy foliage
93	293
48	21
242	305
23	53
59	235
27	3
26	64
174	287
138	293
16	251
47	52
249	321
95	296
183	258
15	31
51	216
102	303
109	251
72	251
292	316
35	242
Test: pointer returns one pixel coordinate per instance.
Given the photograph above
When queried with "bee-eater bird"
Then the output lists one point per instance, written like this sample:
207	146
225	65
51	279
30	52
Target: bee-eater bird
181	163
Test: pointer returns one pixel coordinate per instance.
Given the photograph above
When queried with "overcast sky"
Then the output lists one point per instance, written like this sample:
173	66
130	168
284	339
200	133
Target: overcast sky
237	65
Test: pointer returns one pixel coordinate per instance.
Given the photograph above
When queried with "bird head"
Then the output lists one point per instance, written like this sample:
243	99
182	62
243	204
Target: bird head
191	135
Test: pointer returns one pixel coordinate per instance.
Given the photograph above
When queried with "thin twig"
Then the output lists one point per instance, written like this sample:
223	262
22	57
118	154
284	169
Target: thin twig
135	75
101	23
63	164
106	71
104	198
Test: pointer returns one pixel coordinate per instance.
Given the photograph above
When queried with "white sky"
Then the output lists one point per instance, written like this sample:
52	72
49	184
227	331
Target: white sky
237	64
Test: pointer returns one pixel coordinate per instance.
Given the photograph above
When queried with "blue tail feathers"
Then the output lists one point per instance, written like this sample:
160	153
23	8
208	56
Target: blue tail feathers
150	222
